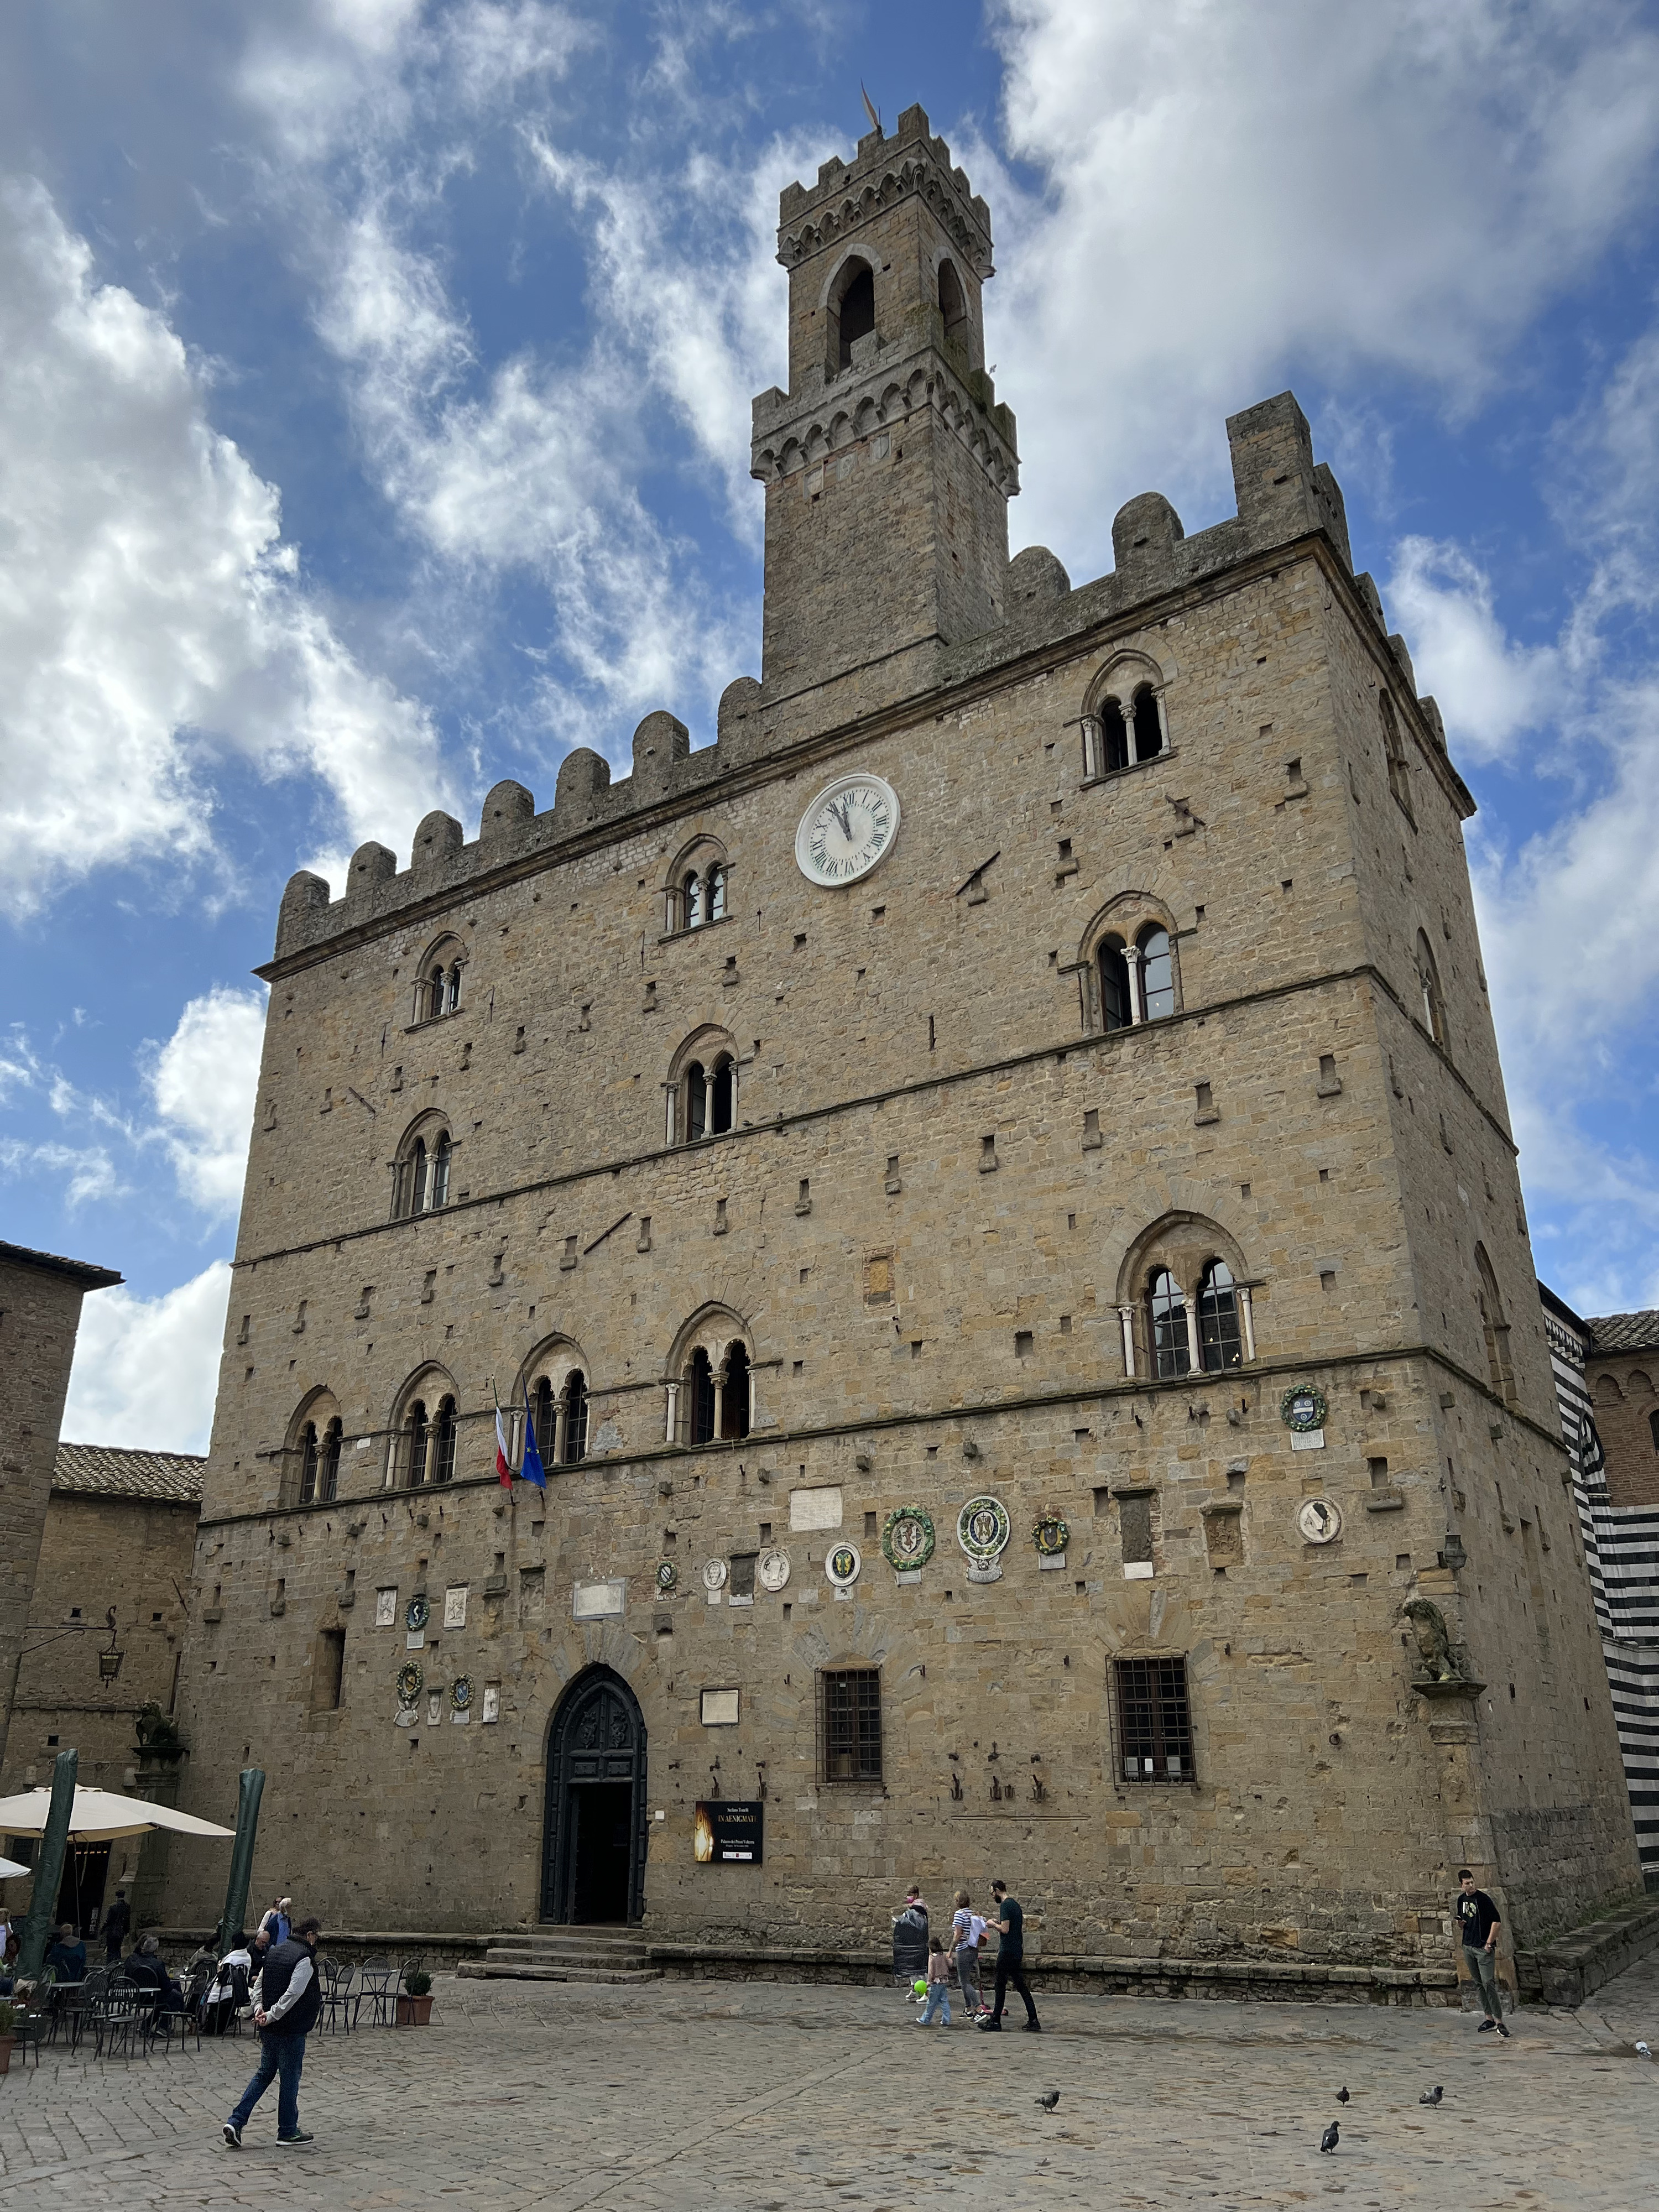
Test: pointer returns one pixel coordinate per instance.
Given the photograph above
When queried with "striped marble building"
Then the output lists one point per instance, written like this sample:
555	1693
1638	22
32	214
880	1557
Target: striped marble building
1606	1372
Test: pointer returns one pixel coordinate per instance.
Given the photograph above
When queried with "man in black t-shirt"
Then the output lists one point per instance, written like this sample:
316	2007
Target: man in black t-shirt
1477	1924
1009	1921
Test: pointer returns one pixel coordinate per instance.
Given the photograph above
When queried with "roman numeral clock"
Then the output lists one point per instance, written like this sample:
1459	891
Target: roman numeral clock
849	828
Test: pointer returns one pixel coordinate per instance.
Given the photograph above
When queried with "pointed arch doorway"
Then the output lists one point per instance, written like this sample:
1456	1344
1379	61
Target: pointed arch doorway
594	1837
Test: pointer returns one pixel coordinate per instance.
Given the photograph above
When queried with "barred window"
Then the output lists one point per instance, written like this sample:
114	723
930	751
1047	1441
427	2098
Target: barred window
851	1708
1154	1722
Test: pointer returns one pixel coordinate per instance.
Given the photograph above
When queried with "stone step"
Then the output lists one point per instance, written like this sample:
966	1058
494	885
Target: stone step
502	1954
523	1969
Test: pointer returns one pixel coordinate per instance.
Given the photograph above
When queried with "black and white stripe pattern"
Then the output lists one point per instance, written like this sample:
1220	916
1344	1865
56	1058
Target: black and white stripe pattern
1621	1550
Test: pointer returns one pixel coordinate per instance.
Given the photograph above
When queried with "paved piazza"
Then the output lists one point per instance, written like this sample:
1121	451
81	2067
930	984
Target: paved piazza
768	2098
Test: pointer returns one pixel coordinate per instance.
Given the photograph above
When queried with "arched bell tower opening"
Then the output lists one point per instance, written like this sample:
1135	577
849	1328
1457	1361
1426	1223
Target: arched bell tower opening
593	1840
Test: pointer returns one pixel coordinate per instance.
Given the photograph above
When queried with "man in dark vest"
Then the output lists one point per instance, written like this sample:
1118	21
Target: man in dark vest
290	1998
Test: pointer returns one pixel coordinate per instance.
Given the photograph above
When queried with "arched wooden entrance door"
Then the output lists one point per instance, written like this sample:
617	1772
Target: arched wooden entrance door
593	1842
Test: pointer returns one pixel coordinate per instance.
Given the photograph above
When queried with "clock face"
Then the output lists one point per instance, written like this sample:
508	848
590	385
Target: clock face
846	829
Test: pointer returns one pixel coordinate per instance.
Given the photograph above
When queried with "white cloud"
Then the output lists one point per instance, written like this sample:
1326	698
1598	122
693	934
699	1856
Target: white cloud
1226	188
1489	689
88	1171
146	1370
203	1081
152	615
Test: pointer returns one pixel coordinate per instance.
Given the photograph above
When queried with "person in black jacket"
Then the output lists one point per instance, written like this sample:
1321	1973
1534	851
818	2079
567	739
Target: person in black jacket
1477	1924
117	1921
290	1998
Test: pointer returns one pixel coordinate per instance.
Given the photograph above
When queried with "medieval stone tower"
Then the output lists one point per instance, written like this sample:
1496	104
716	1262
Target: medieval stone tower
989	1188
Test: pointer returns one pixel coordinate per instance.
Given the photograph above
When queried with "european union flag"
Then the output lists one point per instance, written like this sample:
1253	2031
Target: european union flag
533	1470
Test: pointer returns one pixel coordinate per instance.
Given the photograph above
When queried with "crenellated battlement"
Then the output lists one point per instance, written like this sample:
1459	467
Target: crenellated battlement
883	171
1283	495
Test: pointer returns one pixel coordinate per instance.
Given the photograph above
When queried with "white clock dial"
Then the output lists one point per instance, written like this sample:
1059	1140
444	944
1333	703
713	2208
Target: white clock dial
846	829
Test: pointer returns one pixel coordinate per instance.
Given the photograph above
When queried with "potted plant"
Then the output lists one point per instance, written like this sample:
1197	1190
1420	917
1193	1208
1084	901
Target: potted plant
415	2009
8	2034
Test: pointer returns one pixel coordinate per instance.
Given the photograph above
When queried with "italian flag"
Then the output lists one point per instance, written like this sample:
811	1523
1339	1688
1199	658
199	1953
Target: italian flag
503	1466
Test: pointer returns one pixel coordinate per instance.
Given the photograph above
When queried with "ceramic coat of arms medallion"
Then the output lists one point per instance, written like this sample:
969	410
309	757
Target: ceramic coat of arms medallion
907	1541
842	1567
772	1570
982	1531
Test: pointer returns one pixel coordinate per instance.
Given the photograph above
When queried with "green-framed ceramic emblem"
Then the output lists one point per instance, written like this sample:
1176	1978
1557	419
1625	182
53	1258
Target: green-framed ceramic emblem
907	1539
1301	1409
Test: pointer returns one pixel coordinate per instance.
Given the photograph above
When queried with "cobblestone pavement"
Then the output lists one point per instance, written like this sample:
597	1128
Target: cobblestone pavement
775	2098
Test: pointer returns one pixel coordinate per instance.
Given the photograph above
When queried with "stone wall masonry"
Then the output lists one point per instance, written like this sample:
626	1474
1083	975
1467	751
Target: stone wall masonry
40	1313
1625	1389
137	1555
1301	1851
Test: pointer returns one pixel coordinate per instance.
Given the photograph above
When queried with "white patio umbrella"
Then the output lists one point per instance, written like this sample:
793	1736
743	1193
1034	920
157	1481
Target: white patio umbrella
97	1816
9	1867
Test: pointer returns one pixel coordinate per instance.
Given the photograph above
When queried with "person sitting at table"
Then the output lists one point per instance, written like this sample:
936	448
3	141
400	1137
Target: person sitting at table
66	1956
229	1992
146	1971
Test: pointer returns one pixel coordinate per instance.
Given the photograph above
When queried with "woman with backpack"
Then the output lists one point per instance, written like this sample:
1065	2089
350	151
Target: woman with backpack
967	1934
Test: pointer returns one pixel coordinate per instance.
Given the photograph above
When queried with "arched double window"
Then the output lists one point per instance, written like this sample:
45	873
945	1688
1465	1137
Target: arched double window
425	1432
1494	1328
1136	976
555	1379
1400	780
421	1172
1428	985
310	1471
696	889
319	1465
1126	723
438	987
703	896
702	1089
709	1387
1183	1307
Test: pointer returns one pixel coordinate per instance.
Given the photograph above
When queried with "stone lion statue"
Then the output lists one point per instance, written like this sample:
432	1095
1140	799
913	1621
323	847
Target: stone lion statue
1433	1644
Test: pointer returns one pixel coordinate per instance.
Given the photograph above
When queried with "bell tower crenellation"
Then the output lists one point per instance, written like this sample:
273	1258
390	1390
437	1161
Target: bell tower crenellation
889	463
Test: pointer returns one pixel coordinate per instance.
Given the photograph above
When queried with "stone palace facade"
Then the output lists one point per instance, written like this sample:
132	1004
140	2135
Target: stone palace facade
991	1185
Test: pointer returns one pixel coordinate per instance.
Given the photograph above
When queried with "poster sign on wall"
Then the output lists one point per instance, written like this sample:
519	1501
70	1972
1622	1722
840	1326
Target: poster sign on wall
728	1833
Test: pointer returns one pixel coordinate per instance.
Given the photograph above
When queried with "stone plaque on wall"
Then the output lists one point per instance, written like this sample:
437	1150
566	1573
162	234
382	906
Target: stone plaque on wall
815	1508
598	1600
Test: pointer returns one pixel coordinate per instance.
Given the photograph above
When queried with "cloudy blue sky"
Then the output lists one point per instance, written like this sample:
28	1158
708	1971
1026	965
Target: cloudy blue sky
374	380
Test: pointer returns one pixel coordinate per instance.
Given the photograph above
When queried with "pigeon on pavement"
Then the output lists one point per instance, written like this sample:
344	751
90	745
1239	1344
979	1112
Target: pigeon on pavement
1328	2140
1342	2096
1644	2051
1433	2096
1049	2099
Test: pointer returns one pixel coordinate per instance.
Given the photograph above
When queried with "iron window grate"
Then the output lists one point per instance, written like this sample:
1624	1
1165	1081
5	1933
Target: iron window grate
850	1708
1154	1720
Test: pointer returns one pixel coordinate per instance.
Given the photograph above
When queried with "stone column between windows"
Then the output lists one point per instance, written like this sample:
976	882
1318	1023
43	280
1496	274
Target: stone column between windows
1126	1317
560	1422
1197	1364
1132	961
1092	746
1247	1320
719	1401
1162	724
672	1392
673	1093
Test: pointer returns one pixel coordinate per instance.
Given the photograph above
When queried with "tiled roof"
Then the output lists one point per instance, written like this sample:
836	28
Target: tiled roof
1630	1332
86	1272
104	1471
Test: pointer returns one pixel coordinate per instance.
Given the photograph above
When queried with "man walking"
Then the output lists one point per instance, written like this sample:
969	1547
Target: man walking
117	1921
1010	1924
1478	1924
290	1998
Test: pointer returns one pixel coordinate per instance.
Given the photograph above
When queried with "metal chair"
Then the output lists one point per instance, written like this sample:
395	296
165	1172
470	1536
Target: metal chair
376	1987
339	1996
121	2017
